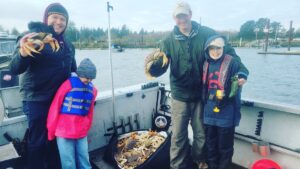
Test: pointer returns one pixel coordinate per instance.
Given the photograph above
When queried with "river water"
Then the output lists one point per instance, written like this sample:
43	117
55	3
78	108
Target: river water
273	78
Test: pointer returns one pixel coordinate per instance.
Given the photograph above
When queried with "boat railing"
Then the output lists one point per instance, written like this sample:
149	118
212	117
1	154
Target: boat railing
283	107
7	47
11	102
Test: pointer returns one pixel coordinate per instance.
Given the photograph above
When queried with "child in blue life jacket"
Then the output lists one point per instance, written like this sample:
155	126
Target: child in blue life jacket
70	116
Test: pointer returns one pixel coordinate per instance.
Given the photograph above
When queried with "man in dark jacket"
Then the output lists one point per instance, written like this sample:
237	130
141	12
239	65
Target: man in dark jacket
184	48
42	74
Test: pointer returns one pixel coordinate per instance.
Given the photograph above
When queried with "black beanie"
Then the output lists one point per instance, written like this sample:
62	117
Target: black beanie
55	8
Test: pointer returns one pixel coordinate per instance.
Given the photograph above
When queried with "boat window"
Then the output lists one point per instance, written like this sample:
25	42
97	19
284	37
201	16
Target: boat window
7	47
10	102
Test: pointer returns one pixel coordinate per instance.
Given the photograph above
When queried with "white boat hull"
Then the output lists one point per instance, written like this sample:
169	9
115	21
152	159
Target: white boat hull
280	125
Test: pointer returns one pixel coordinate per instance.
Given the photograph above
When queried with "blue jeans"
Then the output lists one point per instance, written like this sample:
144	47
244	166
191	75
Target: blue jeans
73	152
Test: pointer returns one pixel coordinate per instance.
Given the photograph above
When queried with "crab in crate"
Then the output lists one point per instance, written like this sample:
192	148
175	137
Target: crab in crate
136	148
36	43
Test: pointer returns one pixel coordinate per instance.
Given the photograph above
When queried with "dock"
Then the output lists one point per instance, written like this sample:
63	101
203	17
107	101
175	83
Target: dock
281	53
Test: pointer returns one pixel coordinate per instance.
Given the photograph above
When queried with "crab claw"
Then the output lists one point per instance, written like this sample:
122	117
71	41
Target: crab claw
165	59
158	54
52	44
41	47
56	45
27	51
30	48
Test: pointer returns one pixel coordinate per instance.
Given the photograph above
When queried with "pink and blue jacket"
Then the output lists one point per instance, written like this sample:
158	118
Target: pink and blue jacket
68	125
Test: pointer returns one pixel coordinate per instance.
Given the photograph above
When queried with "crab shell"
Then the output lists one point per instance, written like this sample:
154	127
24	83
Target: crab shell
37	42
153	57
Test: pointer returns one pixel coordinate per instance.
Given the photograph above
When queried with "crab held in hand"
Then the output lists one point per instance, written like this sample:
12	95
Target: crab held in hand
152	58
36	43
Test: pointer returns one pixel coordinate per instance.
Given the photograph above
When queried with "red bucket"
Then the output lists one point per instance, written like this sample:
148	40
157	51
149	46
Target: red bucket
265	164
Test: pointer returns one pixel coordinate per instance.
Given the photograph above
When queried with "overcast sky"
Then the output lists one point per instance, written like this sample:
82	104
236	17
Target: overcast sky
152	14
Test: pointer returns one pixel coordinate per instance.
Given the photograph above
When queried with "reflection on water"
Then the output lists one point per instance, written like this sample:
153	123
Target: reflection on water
272	77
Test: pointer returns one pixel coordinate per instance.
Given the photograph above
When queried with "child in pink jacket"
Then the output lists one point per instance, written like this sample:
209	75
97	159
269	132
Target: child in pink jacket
70	116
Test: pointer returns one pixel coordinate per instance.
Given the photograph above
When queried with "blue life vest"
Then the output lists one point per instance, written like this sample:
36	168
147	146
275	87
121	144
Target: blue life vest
79	99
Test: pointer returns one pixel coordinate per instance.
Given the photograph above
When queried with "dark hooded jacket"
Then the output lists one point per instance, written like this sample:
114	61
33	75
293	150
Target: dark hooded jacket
229	114
42	74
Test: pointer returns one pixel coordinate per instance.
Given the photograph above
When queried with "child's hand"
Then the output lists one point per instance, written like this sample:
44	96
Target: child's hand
242	81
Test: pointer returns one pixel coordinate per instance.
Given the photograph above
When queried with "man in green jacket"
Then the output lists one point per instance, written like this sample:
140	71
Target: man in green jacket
184	48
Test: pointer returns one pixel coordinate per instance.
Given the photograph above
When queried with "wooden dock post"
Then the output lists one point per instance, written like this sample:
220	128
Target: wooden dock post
266	31
290	35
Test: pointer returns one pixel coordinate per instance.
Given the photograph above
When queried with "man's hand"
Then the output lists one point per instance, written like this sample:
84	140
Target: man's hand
7	77
242	81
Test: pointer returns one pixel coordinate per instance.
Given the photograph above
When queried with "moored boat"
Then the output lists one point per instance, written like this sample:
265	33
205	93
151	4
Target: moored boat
117	48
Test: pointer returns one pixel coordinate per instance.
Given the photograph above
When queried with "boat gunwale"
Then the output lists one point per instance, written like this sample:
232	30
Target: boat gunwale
288	108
